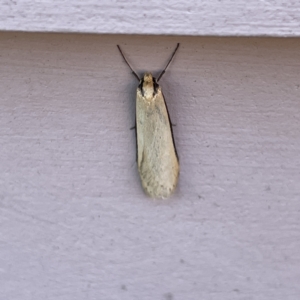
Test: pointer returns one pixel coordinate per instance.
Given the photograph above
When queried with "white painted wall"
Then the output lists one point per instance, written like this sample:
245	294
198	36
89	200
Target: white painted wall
74	221
174	17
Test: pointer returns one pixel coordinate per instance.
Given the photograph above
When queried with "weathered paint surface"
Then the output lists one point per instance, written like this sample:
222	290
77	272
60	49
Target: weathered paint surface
75	223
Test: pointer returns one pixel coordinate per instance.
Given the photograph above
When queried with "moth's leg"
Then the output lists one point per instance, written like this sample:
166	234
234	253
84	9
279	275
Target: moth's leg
136	145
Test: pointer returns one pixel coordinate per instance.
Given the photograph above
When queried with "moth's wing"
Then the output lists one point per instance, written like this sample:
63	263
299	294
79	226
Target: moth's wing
171	125
139	123
157	159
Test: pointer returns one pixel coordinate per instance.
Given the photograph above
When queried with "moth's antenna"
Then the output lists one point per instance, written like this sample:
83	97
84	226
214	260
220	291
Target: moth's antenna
136	75
164	70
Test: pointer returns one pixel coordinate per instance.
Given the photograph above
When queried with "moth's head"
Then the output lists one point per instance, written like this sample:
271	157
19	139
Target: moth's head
148	78
148	86
148	81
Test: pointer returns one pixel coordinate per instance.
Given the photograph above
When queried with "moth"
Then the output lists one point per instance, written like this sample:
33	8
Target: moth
157	158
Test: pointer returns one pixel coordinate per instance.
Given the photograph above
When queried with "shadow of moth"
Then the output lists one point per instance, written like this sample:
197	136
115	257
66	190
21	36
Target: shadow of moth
157	158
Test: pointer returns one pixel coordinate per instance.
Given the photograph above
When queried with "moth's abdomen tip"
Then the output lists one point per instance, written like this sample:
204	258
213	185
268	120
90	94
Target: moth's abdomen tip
160	191
162	194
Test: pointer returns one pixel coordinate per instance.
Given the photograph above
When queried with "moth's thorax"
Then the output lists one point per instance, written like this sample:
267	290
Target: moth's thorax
148	87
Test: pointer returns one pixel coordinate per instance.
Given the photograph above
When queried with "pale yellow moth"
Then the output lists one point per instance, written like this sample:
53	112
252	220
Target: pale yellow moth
156	154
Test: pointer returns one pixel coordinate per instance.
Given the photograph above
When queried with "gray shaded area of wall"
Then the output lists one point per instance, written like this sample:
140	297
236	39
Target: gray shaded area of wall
74	221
